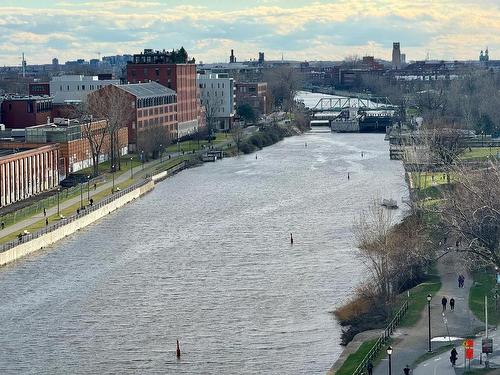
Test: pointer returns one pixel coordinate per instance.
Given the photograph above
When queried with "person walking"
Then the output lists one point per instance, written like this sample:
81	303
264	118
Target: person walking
406	370
3	224
452	304
444	301
44	212
46	222
369	368
453	356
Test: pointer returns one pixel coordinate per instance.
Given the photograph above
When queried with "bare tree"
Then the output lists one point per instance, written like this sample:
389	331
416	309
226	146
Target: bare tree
153	139
237	133
117	108
283	84
471	213
211	105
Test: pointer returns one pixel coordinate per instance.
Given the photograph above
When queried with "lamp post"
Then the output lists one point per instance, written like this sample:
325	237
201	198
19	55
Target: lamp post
58	191
161	153
81	195
88	188
429	297
131	170
113	176
142	159
389	353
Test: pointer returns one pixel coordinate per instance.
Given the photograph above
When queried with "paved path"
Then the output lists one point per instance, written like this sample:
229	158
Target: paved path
411	343
138	172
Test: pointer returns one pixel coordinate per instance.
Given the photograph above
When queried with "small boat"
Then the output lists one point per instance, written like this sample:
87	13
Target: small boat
389	203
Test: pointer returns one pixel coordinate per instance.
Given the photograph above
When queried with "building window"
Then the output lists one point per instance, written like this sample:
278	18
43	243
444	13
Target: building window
157	71
83	87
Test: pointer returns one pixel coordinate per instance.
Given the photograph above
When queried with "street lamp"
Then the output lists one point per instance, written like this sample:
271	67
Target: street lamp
389	353
113	175
81	195
161	153
429	297
88	188
142	159
58	191
131	170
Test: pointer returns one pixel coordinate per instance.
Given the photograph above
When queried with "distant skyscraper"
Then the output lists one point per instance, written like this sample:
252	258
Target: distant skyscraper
396	55
232	58
55	61
403	59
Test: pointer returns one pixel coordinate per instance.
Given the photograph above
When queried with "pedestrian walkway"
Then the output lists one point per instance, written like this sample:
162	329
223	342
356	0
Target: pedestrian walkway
138	173
411	343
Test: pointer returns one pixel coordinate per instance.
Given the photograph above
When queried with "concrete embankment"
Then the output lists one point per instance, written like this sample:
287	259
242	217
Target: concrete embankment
31	243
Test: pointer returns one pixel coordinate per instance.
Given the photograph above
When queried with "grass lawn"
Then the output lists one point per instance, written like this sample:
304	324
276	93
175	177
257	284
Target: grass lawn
105	167
68	211
484	284
189	146
479	153
418	298
481	371
354	359
428	179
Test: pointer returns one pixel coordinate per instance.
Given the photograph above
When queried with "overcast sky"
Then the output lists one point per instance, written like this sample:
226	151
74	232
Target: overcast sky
301	30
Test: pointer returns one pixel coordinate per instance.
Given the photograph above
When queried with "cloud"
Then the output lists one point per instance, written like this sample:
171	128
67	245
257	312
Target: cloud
450	29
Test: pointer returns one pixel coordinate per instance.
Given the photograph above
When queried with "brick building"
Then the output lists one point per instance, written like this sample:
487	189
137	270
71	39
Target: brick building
39	88
27	170
154	116
253	94
163	67
74	148
23	111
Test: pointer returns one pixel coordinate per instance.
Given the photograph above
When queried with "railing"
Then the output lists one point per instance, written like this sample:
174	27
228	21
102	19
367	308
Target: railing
30	236
382	340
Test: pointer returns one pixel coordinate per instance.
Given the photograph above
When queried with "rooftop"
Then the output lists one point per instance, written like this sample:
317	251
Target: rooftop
147	90
25	97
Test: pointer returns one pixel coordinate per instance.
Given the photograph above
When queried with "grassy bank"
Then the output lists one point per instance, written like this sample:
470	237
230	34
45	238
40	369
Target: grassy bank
354	359
484	285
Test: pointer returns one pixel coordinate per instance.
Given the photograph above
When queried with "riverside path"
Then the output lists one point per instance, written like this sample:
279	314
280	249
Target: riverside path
409	344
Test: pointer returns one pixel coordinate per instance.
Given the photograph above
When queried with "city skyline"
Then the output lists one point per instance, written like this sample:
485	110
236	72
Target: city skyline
322	30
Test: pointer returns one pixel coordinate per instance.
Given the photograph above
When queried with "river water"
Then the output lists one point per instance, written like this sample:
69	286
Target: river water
205	258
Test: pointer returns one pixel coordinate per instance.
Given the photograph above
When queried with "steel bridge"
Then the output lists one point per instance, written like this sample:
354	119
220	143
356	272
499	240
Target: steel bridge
363	104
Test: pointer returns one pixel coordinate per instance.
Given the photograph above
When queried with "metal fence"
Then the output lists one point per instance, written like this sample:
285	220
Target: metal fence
382	340
23	238
30	236
38	206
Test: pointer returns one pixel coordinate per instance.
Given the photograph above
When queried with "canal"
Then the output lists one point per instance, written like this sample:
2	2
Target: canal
206	258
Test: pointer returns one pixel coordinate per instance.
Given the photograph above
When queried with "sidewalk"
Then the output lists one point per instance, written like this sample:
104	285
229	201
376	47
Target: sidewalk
411	343
138	173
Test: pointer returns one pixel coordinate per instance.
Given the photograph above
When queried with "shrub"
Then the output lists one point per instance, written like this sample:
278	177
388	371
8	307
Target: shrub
247	147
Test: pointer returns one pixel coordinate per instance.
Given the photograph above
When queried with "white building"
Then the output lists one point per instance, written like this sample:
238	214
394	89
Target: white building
217	95
75	88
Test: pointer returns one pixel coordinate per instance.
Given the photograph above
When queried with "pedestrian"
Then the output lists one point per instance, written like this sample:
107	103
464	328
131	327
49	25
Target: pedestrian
452	304
459	281
95	185
78	211
91	202
453	356
3	225
44	212
369	368
46	221
444	301
406	370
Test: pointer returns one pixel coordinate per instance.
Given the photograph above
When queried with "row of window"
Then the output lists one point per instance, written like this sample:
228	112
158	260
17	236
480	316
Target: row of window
82	87
207	93
159	100
219	85
155	121
157	110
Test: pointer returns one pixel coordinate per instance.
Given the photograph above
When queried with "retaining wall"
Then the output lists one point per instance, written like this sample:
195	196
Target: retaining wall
55	235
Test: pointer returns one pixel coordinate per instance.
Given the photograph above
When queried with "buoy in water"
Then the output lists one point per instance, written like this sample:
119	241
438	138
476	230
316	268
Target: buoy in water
178	350
291	238
255	156
348	176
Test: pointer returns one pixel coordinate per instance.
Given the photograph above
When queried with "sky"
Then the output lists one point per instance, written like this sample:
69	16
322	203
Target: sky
208	30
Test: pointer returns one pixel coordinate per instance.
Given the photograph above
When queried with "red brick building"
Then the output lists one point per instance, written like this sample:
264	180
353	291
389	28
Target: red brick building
74	148
39	88
27	170
253	94
19	112
161	67
154	119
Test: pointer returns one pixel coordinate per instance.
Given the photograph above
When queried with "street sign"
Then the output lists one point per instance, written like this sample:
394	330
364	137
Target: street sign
469	353
487	345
